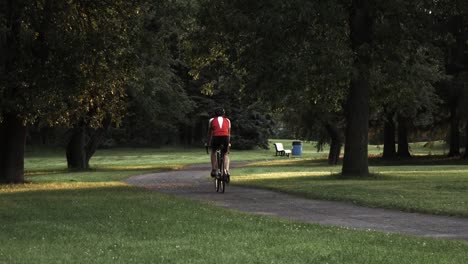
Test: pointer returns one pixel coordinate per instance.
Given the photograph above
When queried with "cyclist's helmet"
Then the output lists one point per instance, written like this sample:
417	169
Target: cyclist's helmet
219	111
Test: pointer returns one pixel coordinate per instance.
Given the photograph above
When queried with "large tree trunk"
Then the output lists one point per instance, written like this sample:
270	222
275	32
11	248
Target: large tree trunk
389	150
403	145
454	138
12	128
465	155
455	67
76	152
335	145
12	141
83	144
96	138
357	109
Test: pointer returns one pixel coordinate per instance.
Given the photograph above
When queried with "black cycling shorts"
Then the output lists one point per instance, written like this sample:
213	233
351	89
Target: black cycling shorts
218	141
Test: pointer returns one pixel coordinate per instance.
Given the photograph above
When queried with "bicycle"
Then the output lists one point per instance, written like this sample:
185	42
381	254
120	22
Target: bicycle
221	177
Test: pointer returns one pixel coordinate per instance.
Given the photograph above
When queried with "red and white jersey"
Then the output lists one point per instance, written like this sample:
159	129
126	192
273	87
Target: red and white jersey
221	126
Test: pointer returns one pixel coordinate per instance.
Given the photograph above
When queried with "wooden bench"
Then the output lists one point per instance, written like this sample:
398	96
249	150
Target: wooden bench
281	151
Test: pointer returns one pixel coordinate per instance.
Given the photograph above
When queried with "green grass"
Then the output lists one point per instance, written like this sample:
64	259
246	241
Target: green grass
92	217
48	161
40	159
428	184
113	223
436	189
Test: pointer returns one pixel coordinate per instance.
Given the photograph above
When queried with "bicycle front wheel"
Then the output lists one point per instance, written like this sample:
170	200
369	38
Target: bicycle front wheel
222	185
217	183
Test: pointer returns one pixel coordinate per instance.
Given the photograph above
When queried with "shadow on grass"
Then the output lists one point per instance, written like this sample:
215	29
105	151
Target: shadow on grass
433	160
291	163
369	177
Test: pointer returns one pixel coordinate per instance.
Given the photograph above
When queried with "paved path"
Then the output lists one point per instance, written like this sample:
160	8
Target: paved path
194	183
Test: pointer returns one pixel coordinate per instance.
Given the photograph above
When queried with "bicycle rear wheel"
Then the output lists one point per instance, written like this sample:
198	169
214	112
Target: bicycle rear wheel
219	181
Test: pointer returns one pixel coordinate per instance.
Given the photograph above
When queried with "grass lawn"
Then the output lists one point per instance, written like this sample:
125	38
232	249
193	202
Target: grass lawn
109	222
429	182
93	217
39	161
435	189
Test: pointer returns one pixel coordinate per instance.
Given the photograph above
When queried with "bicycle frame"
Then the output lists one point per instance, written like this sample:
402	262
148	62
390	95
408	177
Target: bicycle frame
220	160
220	179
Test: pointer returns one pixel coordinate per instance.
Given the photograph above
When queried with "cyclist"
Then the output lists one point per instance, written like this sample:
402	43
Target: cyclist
219	133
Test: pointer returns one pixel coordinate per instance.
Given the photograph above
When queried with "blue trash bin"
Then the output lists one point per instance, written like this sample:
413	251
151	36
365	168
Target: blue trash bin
297	148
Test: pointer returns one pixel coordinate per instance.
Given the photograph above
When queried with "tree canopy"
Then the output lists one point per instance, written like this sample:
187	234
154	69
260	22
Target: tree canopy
333	69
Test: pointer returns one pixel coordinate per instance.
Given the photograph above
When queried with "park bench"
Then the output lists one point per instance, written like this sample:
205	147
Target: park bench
281	151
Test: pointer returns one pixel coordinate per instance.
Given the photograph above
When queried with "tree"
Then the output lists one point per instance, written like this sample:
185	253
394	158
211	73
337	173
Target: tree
401	66
66	64
456	65
106	61
158	101
316	122
406	66
275	52
450	24
355	160
389	150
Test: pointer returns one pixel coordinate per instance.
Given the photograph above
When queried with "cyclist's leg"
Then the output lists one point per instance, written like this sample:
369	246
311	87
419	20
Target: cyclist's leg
226	155
214	147
226	167
213	163
226	162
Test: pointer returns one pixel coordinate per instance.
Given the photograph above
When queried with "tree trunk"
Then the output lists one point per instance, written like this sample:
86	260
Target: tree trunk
12	141
83	144
96	138
465	155
335	145
76	152
389	150
456	66
403	146
357	109
454	138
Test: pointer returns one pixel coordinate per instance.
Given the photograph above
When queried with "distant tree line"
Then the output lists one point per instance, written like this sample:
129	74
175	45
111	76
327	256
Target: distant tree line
149	73
338	70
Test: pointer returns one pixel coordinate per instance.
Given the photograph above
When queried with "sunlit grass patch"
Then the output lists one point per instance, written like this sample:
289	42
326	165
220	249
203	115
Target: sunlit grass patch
139	167
289	162
90	176
30	187
275	162
280	175
427	172
41	172
437	189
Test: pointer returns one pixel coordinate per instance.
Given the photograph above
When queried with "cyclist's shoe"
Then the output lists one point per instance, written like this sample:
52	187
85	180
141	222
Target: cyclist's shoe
213	173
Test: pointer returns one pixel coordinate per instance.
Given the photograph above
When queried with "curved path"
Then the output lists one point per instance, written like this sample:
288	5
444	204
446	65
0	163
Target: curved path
194	183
